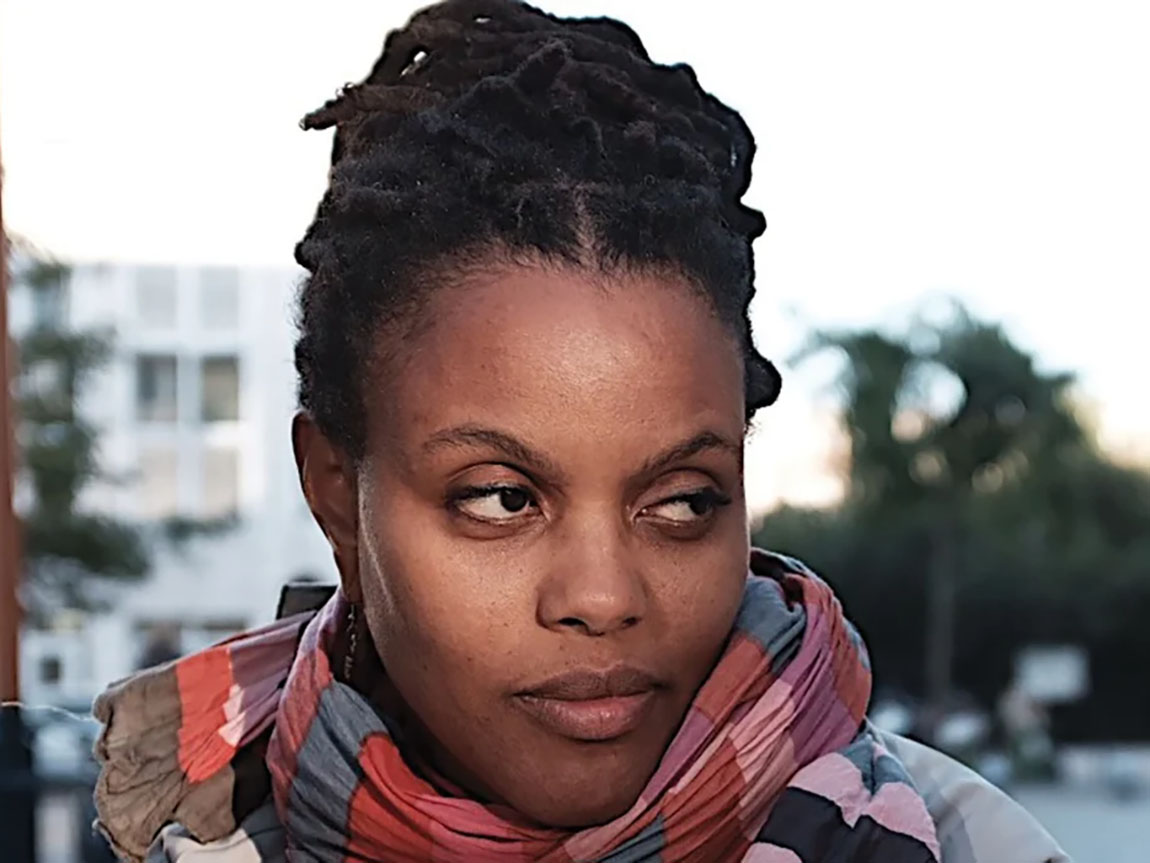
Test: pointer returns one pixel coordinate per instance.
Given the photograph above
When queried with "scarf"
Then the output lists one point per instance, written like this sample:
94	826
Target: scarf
773	763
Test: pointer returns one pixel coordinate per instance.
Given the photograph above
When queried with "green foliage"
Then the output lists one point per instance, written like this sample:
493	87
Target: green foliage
58	456
63	546
40	273
1002	498
103	547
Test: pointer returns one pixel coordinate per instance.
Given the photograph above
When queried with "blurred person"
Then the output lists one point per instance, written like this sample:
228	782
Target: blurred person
1026	727
162	645
526	370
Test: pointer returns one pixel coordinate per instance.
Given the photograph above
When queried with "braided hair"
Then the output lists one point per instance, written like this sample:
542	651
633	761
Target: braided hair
488	127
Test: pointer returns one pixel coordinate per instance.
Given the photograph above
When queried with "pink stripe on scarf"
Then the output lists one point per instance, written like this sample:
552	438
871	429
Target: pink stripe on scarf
764	852
895	806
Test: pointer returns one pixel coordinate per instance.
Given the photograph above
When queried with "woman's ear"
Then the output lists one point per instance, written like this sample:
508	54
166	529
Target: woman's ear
327	477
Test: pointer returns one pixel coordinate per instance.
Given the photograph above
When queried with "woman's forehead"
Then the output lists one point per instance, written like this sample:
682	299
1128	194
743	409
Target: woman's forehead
533	347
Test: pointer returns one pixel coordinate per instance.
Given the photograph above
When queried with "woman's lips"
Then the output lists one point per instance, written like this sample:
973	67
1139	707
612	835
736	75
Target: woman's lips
595	719
591	704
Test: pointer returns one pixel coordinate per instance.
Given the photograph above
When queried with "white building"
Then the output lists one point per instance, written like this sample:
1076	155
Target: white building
194	411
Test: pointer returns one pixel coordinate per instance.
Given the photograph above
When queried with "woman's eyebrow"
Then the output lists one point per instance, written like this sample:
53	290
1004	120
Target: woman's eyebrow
518	451
701	442
509	445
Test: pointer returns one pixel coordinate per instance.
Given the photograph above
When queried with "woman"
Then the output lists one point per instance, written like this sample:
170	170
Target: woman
526	369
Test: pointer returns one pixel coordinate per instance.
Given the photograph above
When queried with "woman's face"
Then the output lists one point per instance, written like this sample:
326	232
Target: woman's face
548	531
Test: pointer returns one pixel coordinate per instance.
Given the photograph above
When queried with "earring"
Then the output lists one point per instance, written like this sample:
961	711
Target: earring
352	641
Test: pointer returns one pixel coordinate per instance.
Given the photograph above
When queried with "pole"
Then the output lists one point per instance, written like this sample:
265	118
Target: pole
17	779
9	551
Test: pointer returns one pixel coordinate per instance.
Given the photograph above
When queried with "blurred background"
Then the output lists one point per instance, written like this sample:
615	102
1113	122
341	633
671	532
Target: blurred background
954	277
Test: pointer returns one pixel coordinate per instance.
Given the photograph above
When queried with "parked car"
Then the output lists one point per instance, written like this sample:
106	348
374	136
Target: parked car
63	738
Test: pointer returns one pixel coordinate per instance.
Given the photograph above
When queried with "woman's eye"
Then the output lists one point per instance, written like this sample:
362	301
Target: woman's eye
688	508
495	503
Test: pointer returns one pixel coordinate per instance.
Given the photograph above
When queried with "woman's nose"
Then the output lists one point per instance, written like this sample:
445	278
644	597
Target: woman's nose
595	586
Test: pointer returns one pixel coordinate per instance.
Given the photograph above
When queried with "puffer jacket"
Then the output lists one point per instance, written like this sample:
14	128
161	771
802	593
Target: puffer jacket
976	822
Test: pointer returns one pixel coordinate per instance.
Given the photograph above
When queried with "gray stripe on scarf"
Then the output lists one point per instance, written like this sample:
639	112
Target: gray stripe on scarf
643	848
766	618
328	774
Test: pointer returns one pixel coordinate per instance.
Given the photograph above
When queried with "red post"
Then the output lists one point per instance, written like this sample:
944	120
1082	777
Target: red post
9	532
18	787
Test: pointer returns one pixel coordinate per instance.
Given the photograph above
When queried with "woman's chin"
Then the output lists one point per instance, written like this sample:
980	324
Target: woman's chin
578	785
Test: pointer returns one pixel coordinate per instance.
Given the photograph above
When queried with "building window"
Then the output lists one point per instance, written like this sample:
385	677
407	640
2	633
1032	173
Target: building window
156	388
159	483
156	296
220	377
221	490
50	305
220	298
51	670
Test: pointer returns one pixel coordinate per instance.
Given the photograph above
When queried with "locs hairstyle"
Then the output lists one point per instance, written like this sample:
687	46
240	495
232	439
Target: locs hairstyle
489	128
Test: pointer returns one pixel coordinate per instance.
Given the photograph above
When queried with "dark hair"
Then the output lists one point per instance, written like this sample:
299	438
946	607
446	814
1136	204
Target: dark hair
489	127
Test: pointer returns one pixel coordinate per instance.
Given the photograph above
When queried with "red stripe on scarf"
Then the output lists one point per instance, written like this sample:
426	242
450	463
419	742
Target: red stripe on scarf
698	818
310	674
388	827
204	681
732	681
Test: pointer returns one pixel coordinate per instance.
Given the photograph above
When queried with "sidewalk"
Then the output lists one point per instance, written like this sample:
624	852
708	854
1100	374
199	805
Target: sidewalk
1090	825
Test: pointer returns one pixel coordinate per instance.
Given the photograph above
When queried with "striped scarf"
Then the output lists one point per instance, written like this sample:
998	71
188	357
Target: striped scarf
773	763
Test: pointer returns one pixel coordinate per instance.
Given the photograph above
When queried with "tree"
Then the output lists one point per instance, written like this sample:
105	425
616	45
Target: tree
978	509
64	546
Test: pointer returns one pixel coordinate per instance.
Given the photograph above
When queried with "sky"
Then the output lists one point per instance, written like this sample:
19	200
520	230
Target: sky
991	150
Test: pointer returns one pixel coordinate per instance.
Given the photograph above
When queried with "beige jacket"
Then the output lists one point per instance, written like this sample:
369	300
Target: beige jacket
976	822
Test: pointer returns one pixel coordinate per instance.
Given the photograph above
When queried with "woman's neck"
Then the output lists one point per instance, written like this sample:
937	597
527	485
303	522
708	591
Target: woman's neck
422	752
